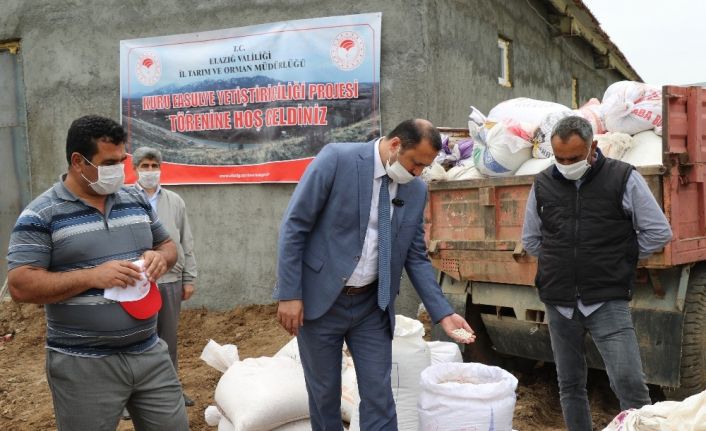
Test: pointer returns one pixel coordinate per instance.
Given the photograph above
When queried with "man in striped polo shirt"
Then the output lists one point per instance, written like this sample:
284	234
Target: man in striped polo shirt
68	246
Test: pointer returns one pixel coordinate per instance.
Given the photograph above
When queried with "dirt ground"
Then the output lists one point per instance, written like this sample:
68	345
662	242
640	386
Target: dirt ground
25	400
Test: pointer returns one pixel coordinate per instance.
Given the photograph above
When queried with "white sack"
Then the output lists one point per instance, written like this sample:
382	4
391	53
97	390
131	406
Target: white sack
259	394
542	140
290	350
463	172
212	415
219	357
466	396
614	145
225	425
444	351
687	415
302	425
355	421
433	172
350	398
524	110
534	166
410	356
505	150
646	150
475	116
593	112
632	107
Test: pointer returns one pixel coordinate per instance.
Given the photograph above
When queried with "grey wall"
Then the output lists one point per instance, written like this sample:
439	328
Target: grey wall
438	57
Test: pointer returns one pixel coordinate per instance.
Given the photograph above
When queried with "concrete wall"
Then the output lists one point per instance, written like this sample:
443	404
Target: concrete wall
438	57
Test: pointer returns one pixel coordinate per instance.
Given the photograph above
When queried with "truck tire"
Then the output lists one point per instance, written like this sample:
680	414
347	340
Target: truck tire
693	354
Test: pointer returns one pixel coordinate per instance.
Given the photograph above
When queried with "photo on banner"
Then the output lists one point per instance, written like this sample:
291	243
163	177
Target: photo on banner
251	104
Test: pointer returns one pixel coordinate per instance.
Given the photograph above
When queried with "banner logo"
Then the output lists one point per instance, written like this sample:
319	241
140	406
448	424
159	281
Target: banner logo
149	69
347	50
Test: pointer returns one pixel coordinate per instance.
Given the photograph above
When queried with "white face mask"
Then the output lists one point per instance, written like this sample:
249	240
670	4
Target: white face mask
110	178
397	172
576	170
149	179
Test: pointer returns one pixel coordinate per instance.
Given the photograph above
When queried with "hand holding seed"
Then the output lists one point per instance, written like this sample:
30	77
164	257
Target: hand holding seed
458	329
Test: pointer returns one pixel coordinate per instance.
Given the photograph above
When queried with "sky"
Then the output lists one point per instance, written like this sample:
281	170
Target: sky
663	40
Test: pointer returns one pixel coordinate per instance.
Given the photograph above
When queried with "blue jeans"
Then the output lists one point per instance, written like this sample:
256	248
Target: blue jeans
613	333
366	329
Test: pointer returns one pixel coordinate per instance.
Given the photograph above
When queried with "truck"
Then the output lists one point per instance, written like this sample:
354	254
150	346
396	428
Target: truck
473	233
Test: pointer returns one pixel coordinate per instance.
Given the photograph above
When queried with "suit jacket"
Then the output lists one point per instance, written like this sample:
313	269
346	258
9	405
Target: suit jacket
323	229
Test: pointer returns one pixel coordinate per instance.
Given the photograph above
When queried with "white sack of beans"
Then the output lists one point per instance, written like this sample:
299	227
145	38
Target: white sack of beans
290	350
410	356
632	107
302	425
466	396
350	398
260	394
524	110
507	147
614	144
444	351
646	150
534	166
220	357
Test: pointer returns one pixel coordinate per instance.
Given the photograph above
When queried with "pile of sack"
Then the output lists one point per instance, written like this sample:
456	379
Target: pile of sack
515	137
269	393
687	415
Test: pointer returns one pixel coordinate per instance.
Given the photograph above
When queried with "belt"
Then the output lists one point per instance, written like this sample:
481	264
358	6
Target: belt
358	290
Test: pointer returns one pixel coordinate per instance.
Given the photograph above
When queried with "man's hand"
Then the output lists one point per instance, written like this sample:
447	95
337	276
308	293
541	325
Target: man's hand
115	273
454	322
186	291
291	315
155	264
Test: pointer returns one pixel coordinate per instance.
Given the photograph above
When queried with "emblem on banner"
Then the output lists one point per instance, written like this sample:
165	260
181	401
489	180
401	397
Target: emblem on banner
148	69
347	50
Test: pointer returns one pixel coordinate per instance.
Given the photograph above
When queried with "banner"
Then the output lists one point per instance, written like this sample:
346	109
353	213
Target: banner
252	104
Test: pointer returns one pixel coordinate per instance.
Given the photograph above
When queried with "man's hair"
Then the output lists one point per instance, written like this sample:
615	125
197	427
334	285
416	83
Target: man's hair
85	133
574	125
143	153
412	132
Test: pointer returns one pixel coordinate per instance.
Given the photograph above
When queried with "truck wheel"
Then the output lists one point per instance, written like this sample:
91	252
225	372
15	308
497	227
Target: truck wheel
693	354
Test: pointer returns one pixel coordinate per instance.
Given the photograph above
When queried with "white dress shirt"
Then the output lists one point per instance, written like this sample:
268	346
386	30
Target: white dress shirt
367	269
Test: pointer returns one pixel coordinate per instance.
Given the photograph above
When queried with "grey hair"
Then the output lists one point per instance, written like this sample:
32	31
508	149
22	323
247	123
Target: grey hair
574	125
143	153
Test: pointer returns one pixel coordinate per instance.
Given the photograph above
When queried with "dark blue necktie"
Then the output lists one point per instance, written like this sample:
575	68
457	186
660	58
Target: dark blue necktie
384	244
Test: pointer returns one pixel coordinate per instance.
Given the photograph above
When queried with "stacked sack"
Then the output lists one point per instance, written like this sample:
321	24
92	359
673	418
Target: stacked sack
411	355
257	394
269	393
515	137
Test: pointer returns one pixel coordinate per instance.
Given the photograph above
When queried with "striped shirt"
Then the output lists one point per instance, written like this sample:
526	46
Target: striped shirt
60	233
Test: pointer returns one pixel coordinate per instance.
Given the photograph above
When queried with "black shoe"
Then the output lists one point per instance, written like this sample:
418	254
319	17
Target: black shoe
126	415
188	402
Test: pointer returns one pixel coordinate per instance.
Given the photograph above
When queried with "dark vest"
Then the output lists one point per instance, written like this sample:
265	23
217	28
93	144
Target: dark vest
589	244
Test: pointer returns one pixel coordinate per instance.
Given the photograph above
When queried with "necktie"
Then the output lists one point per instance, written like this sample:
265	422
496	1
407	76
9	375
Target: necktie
384	244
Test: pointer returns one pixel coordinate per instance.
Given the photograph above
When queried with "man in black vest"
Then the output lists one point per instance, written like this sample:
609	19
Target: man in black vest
589	219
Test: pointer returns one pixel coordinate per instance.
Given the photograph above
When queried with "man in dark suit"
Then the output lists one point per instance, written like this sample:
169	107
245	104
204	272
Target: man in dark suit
354	221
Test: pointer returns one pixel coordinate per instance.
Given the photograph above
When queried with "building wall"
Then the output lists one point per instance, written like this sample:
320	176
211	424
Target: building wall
438	57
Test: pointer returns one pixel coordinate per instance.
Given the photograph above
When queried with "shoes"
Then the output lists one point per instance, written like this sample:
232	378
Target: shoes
126	415
188	402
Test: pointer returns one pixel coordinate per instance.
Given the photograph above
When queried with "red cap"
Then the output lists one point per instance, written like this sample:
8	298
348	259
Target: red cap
146	307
